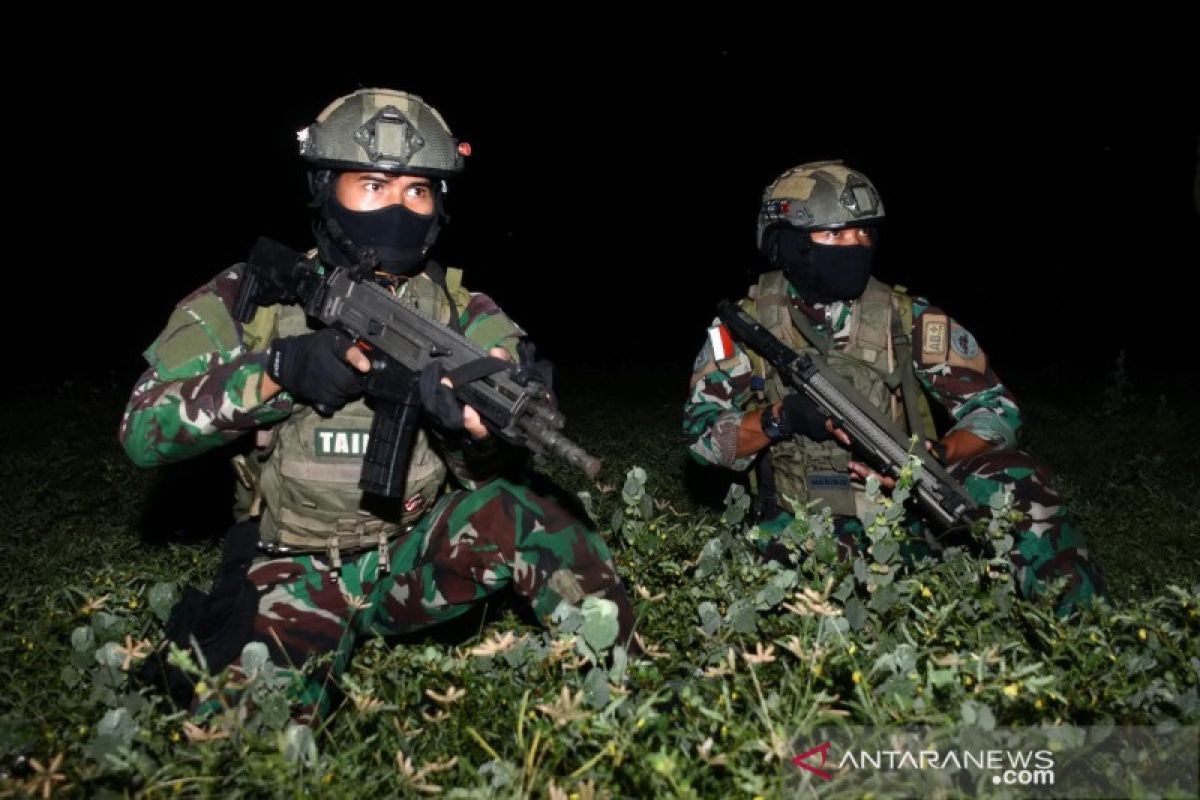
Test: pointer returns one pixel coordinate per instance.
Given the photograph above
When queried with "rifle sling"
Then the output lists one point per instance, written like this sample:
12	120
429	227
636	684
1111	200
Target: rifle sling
902	376
907	379
474	370
808	331
437	274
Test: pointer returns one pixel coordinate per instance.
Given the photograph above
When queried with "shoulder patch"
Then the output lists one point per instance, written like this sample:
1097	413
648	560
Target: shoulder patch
935	333
964	350
963	342
721	342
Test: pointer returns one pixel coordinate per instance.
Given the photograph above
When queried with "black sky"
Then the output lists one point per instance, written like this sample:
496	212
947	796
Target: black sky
611	198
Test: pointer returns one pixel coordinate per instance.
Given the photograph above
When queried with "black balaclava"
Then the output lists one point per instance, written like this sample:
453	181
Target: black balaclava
398	237
821	273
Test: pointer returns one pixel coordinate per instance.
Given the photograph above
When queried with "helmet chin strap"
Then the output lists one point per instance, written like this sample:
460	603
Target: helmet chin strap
439	218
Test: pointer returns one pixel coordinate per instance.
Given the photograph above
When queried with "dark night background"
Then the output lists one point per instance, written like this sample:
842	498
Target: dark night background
611	199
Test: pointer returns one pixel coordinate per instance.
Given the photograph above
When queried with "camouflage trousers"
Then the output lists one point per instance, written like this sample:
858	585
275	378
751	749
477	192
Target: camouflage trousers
1047	543
470	544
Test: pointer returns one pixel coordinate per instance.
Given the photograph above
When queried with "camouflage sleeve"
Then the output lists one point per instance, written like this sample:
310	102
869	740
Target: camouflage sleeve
720	396
955	371
486	325
202	388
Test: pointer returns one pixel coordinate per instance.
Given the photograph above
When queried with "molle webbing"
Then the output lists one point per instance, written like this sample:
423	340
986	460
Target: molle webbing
306	482
805	470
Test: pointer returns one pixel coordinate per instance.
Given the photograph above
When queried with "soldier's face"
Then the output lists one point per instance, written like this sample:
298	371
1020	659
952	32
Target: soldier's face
843	238
369	191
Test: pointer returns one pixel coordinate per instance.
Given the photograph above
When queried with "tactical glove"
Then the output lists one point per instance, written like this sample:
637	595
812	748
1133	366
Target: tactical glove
313	368
438	399
799	415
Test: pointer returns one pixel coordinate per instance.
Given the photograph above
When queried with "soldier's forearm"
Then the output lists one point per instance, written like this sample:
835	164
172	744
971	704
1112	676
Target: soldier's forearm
961	445
173	420
268	388
751	438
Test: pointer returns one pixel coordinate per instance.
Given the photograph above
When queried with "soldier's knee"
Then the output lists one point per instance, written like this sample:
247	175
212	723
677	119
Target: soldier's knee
506	486
518	494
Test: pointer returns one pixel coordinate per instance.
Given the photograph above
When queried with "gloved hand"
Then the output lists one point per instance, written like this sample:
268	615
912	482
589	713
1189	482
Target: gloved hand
438	399
313	368
799	415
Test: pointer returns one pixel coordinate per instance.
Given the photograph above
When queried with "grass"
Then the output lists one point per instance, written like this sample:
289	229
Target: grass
744	655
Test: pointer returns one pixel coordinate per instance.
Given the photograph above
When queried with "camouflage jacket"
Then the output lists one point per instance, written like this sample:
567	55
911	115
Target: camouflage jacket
950	365
202	388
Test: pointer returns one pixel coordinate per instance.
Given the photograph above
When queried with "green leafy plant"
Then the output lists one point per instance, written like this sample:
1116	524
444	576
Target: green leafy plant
738	654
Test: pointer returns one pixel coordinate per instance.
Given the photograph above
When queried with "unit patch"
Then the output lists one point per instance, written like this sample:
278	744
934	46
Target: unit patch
340	443
964	350
934	338
963	342
819	482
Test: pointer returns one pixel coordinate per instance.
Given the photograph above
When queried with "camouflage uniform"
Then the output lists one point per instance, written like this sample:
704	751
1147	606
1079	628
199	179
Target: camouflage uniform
860	339
476	539
356	563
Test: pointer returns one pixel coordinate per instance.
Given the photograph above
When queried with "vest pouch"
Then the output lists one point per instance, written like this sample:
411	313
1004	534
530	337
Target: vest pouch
806	470
798	462
310	484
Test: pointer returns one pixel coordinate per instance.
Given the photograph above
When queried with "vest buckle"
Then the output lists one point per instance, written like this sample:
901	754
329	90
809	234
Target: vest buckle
335	558
385	562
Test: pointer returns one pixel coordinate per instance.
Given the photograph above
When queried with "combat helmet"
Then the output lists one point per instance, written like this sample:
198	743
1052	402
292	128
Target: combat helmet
378	130
385	130
820	195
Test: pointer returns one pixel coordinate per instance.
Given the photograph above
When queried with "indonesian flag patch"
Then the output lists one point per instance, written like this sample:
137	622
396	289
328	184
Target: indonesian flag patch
721	342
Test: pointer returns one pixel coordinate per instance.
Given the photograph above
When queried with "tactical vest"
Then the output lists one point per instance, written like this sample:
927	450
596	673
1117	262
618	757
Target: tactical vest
807	471
302	476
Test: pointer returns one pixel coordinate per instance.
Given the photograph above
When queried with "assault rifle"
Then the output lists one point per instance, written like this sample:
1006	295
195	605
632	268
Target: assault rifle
876	435
401	341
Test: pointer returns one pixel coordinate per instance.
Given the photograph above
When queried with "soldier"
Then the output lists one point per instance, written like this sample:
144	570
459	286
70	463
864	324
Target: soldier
818	227
349	563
